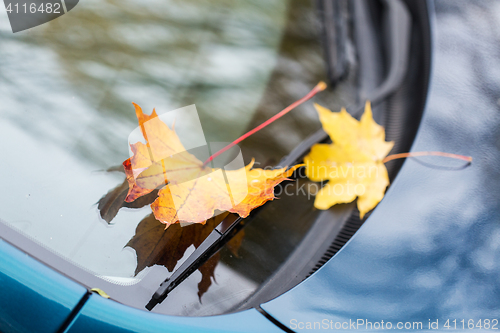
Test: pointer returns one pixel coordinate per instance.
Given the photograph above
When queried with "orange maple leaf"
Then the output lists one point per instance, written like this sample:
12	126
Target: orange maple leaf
189	190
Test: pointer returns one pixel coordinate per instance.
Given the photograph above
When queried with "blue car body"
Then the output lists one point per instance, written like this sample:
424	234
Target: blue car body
35	298
428	254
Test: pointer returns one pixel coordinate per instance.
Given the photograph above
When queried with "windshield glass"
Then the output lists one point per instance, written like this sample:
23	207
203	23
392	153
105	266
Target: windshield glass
66	115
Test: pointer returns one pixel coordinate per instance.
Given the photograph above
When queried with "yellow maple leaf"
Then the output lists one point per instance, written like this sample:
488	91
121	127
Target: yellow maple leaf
190	191
352	164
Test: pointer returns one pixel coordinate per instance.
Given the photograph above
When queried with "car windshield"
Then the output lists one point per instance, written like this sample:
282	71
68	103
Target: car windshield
66	115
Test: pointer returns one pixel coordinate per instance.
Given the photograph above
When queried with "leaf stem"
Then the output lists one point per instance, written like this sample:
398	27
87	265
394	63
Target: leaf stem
427	153
319	87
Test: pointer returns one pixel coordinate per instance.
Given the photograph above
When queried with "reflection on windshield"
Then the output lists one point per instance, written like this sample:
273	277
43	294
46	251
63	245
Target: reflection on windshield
91	64
66	114
69	85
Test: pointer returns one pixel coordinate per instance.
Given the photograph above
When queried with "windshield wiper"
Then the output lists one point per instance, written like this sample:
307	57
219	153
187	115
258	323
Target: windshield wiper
222	234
